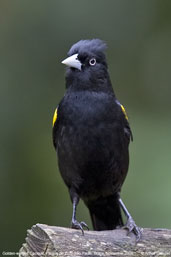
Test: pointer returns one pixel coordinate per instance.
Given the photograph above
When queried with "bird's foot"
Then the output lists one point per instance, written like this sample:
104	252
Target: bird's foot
79	225
132	227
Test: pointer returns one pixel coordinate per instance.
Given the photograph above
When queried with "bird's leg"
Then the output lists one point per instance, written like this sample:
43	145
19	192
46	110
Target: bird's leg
74	223
130	225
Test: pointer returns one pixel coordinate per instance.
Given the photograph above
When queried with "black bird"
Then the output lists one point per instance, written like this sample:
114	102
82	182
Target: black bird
91	135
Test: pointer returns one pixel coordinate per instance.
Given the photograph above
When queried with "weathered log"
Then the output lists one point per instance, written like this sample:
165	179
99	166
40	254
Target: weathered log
44	240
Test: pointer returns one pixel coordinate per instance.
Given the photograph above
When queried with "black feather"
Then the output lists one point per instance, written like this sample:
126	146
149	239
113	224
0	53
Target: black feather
91	136
92	46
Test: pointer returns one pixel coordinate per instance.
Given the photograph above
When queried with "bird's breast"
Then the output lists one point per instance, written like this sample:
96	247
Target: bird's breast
90	125
89	107
91	142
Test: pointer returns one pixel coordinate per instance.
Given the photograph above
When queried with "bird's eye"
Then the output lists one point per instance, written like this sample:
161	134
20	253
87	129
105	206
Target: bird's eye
92	61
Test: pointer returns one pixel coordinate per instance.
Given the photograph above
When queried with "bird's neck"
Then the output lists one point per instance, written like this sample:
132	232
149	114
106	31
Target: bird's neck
98	84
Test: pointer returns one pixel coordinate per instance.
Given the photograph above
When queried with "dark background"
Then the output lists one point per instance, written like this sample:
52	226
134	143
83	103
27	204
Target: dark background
34	38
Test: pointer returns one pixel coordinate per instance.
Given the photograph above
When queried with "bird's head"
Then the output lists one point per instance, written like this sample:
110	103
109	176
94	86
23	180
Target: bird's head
86	63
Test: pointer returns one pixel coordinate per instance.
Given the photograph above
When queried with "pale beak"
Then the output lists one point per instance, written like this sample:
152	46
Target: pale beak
73	62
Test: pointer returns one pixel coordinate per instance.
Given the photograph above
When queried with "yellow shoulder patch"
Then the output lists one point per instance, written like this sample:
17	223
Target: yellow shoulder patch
55	116
124	111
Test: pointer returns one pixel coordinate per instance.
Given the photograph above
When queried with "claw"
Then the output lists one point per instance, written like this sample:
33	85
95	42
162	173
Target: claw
132	227
79	225
74	223
84	225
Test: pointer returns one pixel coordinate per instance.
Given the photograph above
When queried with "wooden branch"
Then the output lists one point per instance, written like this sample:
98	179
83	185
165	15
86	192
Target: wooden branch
44	240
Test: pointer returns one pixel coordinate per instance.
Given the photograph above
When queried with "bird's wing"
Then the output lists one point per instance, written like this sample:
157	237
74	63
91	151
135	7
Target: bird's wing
127	128
55	125
128	131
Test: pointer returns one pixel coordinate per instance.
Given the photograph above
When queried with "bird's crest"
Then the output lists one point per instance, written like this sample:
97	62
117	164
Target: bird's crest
91	46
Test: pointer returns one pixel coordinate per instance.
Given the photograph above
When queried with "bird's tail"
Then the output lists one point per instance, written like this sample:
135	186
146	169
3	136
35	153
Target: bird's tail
105	213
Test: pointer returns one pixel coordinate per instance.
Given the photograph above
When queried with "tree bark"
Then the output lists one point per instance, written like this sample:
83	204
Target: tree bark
44	240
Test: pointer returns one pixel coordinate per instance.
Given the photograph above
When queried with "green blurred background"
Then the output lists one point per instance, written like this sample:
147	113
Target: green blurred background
34	37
